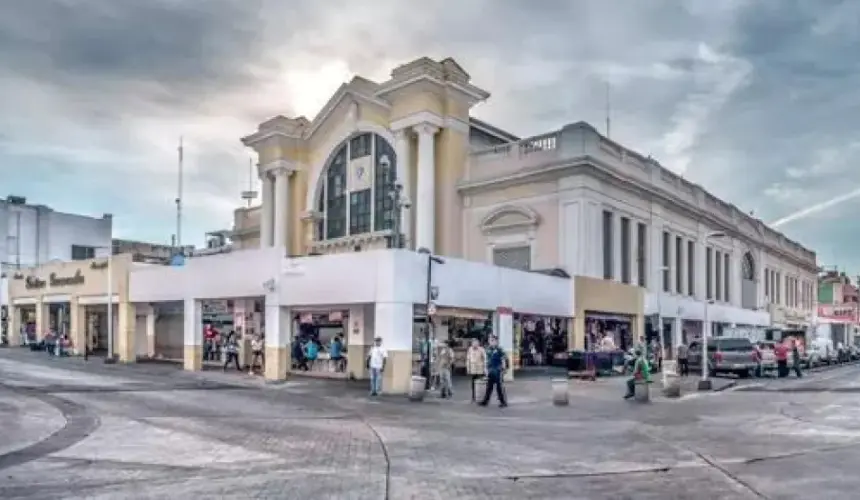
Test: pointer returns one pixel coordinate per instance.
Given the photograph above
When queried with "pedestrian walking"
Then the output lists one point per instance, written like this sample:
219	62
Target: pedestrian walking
257	353
376	360
497	365
781	353
231	349
445	363
795	358
476	363
683	359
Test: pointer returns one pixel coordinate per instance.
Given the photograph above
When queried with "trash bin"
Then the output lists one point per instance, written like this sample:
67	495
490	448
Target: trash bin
672	387
480	388
416	388
642	392
560	391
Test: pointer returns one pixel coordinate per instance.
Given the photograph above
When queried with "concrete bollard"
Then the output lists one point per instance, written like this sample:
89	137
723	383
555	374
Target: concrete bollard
560	391
672	386
480	388
416	389
642	392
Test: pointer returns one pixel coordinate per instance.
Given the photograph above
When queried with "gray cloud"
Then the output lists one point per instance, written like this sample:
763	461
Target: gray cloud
755	100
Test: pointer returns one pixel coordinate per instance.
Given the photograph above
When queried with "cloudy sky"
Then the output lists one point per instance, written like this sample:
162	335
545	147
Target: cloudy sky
756	100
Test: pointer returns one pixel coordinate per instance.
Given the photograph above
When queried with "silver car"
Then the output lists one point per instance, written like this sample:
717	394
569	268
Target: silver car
725	355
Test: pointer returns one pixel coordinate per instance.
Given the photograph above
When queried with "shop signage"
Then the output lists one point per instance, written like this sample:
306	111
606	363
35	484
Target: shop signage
846	313
75	279
99	265
34	283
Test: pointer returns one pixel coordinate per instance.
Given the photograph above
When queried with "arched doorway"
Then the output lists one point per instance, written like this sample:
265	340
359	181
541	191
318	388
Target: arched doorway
749	295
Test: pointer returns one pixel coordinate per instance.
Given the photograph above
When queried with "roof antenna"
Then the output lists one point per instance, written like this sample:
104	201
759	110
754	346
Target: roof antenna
608	112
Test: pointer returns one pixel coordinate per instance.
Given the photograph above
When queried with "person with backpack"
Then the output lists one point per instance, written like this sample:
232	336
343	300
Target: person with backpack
312	350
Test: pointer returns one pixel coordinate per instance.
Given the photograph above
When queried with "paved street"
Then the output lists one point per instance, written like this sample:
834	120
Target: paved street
70	429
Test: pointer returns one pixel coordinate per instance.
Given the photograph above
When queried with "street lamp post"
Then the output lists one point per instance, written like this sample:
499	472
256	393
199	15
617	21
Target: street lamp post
427	305
705	383
660	333
401	202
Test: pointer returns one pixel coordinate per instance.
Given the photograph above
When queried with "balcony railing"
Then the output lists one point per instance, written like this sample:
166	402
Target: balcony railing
493	161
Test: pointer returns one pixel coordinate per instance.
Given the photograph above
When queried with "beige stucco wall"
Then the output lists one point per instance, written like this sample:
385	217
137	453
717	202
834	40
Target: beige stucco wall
597	295
94	279
361	106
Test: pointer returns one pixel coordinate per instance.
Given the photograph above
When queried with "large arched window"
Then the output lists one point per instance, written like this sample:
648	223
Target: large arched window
356	195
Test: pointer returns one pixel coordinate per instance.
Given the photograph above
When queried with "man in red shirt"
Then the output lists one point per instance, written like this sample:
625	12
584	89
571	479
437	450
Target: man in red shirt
781	353
210	335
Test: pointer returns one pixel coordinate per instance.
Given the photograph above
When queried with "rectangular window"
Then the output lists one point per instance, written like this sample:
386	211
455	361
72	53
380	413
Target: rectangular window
718	274
767	284
513	257
666	261
727	272
607	245
80	252
625	250
679	265
641	256
385	173
359	212
709	289
777	286
691	268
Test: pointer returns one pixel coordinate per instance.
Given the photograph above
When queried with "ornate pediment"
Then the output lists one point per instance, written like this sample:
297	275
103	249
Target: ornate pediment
511	218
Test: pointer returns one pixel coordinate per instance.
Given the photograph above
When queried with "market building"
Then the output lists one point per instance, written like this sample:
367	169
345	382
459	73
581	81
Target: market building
568	228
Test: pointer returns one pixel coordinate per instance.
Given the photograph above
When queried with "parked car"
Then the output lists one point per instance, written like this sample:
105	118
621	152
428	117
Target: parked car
812	357
768	356
725	355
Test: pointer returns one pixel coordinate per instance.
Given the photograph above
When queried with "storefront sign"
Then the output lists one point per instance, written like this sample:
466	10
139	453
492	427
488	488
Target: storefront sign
847	313
99	265
75	279
34	283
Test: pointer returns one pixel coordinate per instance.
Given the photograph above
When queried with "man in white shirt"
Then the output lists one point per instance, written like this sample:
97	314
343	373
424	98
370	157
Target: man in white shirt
376	359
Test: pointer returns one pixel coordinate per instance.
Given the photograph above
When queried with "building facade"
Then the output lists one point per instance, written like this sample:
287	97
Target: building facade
32	235
405	158
577	200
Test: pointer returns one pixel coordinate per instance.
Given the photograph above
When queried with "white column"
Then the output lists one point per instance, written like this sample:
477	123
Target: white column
150	332
193	335
701	270
425	204
393	323
193	328
404	160
655	256
282	205
616	247
503	329
279	324
267	198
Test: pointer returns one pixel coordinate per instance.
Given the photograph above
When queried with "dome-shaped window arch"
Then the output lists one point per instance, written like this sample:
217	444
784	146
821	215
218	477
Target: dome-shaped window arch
355	193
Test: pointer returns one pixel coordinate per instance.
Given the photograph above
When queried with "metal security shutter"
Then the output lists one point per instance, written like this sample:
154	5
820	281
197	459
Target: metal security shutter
514	258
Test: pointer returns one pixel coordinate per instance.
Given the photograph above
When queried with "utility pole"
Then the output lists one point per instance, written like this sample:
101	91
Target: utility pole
608	113
179	198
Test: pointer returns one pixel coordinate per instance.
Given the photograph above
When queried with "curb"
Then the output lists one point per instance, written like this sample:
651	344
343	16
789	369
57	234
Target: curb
728	386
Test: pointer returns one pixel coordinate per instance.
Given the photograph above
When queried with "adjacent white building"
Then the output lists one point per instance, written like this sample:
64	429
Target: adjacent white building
574	199
36	234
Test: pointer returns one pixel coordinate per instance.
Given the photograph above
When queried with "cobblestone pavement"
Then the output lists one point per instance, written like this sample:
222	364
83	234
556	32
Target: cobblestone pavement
70	429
